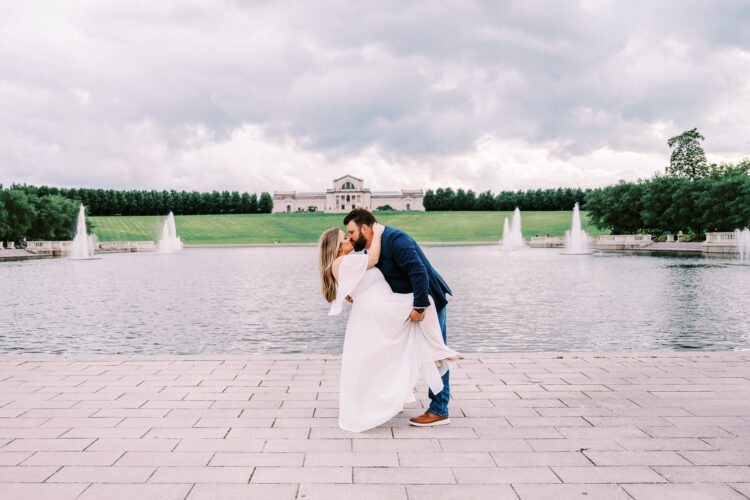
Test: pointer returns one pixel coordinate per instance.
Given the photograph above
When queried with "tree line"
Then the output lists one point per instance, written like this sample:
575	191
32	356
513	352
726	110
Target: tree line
692	195
36	217
140	202
535	199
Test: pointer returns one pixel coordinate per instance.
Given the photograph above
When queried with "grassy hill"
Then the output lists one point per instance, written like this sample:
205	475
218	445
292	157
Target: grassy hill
307	227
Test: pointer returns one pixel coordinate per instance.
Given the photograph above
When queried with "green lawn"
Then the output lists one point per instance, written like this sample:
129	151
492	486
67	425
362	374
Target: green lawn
307	227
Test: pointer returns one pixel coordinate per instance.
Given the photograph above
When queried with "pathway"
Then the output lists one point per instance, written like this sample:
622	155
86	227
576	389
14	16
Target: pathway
613	426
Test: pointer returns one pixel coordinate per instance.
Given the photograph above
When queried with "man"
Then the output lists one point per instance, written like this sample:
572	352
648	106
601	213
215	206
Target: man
407	270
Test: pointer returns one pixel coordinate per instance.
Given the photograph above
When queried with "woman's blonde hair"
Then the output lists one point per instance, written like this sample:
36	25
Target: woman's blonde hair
329	249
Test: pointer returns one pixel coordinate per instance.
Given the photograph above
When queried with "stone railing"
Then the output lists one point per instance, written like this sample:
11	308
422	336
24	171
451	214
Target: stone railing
48	247
721	238
62	247
128	246
547	241
622	241
720	243
8	245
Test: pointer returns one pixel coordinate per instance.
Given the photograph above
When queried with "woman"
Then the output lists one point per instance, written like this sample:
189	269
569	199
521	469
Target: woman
383	350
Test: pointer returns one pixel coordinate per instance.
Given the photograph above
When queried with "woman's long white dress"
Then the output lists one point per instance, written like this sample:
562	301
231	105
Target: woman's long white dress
383	350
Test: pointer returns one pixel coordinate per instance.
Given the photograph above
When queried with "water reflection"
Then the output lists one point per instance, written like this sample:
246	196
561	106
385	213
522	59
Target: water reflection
254	300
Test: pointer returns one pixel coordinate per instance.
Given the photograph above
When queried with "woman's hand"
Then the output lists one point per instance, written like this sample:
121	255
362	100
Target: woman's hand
377	229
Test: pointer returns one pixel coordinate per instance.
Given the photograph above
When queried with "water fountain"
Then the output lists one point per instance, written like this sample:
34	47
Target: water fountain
743	244
169	241
512	236
83	244
576	239
507	244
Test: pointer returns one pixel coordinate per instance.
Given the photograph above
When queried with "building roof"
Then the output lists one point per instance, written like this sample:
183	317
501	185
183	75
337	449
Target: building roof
387	193
347	175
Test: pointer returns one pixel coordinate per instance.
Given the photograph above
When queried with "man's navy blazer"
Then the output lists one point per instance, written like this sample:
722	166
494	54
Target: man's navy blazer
407	270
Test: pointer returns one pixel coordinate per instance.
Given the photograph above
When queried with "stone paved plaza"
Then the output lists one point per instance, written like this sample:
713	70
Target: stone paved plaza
612	426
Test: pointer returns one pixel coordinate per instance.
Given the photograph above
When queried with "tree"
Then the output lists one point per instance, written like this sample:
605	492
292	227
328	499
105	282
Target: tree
254	204
485	201
4	221
384	208
55	218
428	202
20	216
265	204
688	158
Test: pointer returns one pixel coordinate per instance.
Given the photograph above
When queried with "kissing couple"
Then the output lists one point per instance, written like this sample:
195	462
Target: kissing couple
396	325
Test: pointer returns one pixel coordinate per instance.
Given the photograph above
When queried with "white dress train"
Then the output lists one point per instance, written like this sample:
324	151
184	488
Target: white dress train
383	350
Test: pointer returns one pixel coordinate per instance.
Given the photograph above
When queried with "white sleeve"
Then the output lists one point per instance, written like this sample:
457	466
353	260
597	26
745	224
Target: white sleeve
351	270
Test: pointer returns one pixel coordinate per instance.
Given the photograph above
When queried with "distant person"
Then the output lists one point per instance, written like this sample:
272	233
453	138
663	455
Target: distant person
396	324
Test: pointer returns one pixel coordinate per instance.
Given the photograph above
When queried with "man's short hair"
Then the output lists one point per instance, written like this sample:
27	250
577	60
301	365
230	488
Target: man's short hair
360	216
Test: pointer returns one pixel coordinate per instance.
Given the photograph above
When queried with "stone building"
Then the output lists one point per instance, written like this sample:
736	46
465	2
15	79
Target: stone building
348	192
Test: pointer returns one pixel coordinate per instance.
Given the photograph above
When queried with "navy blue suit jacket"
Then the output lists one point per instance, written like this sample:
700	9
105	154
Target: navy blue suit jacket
407	270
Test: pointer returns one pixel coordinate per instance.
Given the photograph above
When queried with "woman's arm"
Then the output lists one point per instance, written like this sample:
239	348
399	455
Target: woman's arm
373	253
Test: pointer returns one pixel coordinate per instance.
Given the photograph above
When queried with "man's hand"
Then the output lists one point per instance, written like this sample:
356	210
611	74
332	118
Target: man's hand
415	316
349	299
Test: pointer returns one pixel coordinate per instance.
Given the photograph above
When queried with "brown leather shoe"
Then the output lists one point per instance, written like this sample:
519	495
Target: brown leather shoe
429	420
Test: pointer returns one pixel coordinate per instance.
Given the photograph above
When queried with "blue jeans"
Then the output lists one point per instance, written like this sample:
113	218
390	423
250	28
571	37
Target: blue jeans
439	404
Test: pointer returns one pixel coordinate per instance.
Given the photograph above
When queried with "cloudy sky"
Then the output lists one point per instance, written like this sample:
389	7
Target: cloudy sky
260	96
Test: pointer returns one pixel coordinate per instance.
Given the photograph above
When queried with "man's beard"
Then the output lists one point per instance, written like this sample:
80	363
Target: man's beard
360	244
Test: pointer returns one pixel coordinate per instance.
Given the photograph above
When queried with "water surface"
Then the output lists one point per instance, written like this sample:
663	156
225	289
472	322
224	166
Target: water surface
267	300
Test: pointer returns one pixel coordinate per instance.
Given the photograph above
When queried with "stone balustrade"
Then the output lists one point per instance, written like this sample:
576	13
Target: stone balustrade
62	247
622	241
128	246
547	241
48	247
720	243
721	238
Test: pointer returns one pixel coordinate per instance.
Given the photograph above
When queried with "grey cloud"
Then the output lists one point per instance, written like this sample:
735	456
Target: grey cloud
416	80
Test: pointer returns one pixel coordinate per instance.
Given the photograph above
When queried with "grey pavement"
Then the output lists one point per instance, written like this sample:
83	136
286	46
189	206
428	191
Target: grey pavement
667	425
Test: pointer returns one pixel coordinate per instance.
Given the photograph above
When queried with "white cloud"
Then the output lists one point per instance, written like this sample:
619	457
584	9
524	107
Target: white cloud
211	94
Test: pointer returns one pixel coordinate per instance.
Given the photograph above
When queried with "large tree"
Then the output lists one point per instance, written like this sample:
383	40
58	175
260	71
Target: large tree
688	159
265	204
20	216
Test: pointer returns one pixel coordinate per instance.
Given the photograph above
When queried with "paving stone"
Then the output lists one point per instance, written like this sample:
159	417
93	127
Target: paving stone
13	457
223	459
285	475
461	492
681	492
85	474
403	475
719	457
26	474
105	432
189	475
606	458
116	444
539	459
505	475
48	445
469	445
705	473
348	491
43	491
353	459
206	491
158	458
570	491
612	474
139	491
446	459
73	458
